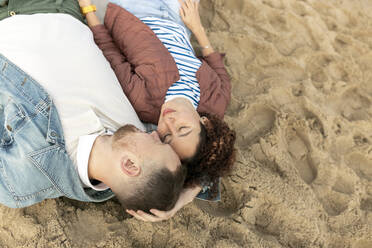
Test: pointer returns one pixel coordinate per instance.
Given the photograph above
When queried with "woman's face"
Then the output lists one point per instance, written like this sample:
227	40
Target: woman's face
179	126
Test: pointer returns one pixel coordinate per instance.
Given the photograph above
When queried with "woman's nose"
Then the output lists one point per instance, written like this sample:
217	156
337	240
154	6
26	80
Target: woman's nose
169	121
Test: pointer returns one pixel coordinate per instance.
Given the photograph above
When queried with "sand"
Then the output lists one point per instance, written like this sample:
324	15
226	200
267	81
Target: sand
302	108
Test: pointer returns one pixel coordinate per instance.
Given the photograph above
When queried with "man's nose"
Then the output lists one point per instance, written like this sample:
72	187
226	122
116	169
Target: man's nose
155	135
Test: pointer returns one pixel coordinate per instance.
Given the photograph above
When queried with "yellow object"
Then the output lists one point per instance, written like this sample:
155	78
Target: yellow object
85	10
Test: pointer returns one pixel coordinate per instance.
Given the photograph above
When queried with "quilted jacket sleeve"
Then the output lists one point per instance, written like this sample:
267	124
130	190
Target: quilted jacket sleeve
215	85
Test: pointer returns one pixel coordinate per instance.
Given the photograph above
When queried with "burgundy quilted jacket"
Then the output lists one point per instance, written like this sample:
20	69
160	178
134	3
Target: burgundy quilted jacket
145	68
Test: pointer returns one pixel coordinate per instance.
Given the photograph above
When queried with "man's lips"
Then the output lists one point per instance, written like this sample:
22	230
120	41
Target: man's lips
167	111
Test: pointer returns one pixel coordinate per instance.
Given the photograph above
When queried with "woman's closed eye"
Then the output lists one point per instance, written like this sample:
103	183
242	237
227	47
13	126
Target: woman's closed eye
185	132
182	129
167	138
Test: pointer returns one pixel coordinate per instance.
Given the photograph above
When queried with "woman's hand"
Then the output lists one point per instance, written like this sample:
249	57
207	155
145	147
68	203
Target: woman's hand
84	3
186	196
189	13
91	17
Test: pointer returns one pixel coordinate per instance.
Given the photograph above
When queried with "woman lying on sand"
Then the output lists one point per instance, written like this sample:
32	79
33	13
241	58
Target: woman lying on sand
169	86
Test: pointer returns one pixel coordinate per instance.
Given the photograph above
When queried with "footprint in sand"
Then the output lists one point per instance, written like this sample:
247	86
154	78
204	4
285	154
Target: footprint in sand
366	204
360	140
279	22
315	122
361	165
316	65
337	199
335	203
354	106
299	151
343	185
256	122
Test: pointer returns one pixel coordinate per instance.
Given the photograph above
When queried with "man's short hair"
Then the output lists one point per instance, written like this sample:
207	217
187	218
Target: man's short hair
160	189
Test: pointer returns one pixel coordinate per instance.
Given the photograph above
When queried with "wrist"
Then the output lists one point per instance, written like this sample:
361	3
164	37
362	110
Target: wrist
198	30
88	9
92	13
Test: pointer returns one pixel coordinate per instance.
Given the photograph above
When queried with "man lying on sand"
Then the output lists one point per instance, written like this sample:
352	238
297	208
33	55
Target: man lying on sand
66	128
169	86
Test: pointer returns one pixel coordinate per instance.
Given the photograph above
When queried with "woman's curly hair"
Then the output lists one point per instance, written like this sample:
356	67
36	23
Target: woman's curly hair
215	154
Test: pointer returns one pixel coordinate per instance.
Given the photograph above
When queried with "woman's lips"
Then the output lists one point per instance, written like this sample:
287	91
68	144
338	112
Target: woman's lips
167	111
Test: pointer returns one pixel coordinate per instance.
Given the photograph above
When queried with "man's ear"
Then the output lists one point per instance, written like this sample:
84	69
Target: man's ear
129	167
204	120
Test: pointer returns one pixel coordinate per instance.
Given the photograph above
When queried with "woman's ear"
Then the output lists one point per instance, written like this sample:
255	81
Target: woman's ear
204	120
129	167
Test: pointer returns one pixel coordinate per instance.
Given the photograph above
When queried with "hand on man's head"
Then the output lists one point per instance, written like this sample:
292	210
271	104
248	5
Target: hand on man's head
187	195
156	215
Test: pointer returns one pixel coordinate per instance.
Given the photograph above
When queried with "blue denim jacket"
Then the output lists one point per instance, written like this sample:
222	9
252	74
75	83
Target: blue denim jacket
34	164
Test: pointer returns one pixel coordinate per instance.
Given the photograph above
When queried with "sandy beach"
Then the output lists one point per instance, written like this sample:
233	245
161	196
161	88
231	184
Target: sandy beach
302	109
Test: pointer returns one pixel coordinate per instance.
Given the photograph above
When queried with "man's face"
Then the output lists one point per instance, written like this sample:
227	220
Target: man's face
143	149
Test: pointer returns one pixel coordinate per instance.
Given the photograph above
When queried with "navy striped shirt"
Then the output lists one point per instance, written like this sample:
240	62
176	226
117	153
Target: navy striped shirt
175	39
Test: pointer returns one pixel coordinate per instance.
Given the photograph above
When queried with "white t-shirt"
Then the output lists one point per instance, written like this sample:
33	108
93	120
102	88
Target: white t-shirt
59	52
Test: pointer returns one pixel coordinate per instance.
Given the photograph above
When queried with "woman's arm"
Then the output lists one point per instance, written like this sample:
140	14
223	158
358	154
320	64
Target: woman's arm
102	36
203	41
91	17
139	59
118	61
189	13
213	67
